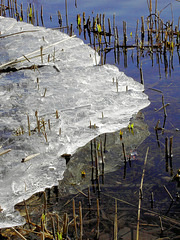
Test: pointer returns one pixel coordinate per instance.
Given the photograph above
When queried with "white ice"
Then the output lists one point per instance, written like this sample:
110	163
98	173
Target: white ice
76	86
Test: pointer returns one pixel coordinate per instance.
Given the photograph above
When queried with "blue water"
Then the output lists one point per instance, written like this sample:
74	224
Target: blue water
128	11
156	74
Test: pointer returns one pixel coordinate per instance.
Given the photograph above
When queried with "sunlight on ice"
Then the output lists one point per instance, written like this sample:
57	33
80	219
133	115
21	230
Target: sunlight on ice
65	78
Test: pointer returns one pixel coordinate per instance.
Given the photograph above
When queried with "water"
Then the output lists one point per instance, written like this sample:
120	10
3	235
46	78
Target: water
125	11
155	76
74	85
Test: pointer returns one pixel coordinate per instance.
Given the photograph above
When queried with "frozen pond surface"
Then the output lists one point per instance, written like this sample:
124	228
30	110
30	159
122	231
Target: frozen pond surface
65	78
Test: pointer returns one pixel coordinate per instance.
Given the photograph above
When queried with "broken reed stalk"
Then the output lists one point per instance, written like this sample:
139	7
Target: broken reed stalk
57	116
81	221
117	84
171	155
170	147
59	19
142	31
38	126
4	152
45	135
167	104
110	32
1	14
66	16
38	83
97	165
45	92
156	12
26	58
2	9
29	130
65	226
53	227
168	193
124	152
140	195
115	222
105	142
166	153
43	124
141	75
102	158
74	216
96	158
42	21
98	186
29	157
156	130
89	197
92	162
57	223
157	125
45	203
33	14
84	20
41	53
71	30
164	106
8	5
162	229
27	214
136	36
98	219
117	36
49	124
152	200
92	178
19	234
137	58
124	34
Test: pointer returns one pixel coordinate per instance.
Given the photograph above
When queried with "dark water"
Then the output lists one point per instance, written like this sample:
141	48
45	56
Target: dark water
157	75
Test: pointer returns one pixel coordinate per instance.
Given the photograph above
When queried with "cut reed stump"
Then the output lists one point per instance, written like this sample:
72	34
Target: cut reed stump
74	216
81	221
115	222
140	195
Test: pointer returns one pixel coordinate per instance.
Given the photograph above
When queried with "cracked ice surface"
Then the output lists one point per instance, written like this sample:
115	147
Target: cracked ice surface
75	86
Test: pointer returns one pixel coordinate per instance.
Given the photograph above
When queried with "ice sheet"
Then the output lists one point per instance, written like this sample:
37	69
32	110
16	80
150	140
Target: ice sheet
74	84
